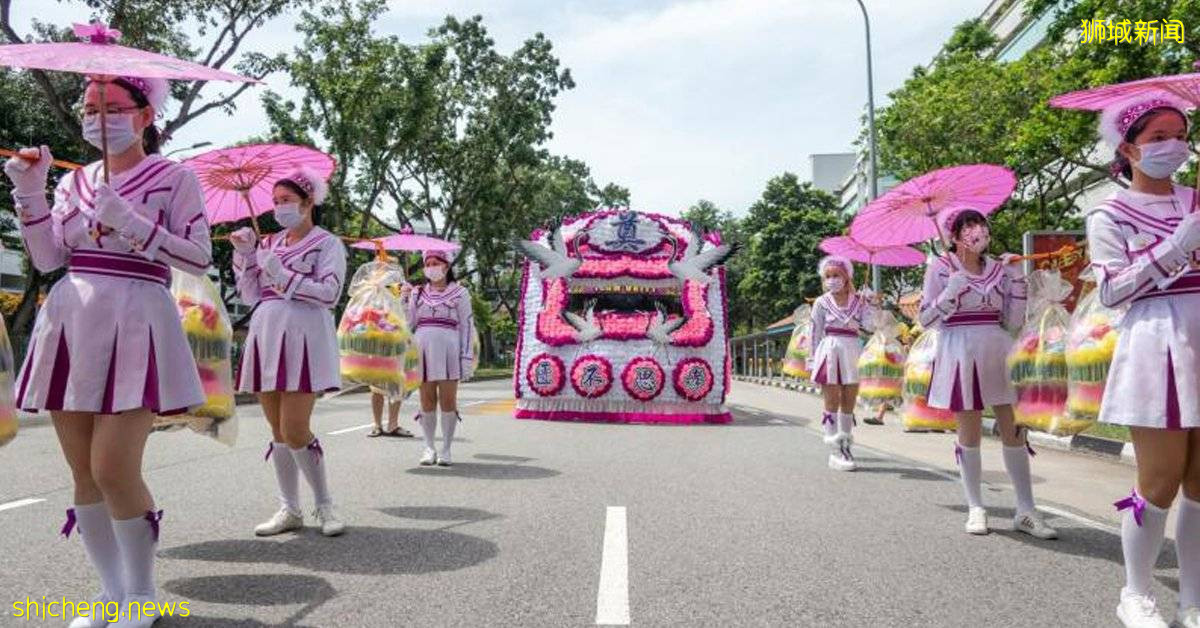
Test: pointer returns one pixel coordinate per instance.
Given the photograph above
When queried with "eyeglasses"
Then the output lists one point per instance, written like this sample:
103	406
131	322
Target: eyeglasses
88	113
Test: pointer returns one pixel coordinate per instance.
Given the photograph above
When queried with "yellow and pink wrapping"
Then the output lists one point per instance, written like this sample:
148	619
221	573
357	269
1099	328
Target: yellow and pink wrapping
1090	345
881	364
8	409
1038	363
373	335
795	360
209	333
916	415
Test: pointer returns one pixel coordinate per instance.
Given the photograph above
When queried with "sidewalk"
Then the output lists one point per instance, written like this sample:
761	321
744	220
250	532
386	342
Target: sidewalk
1065	483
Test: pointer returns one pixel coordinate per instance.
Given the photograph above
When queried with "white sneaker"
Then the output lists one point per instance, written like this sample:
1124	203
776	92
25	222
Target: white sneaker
135	619
1139	611
429	457
842	461
330	524
1031	523
443	458
977	520
1188	617
97	619
282	521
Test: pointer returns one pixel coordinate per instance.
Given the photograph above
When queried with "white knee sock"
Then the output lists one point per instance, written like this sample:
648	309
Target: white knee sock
100	543
137	539
1141	545
1016	461
429	427
286	475
311	461
449	422
1187	547
970	467
845	421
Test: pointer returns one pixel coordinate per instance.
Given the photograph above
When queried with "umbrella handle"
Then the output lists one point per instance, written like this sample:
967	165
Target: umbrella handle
253	218
69	165
100	89
1062	251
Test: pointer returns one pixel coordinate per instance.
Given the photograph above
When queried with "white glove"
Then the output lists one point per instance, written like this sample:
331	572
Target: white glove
29	177
869	295
112	211
957	283
244	241
1187	234
1014	269
269	262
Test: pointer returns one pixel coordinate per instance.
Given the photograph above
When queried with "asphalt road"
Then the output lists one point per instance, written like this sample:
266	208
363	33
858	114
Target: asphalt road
739	525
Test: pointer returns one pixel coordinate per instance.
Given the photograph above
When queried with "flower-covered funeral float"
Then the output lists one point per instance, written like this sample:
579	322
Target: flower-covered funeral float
623	319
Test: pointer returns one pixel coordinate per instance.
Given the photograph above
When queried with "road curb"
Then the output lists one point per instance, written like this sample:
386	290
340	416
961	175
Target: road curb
1083	444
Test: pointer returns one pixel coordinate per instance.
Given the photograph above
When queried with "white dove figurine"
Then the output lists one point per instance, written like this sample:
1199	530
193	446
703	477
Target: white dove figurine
555	260
695	264
586	329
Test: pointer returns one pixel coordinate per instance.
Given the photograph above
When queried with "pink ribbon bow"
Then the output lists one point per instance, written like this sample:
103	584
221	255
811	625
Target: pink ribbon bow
69	525
153	518
97	33
958	454
1135	502
827	418
315	447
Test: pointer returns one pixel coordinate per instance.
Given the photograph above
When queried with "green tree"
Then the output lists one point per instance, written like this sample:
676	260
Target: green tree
783	230
707	216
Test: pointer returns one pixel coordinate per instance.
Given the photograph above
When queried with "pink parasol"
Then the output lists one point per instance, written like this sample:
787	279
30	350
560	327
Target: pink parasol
1185	86
100	58
406	240
911	211
238	181
849	248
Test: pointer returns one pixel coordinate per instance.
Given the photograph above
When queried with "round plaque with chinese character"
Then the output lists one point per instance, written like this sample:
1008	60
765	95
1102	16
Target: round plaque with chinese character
546	375
591	376
643	378
693	379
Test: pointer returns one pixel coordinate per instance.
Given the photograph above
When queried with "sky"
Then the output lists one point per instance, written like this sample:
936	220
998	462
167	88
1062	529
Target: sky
676	100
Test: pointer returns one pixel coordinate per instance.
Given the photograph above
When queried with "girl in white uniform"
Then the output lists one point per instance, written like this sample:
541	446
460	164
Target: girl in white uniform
974	301
440	313
291	355
838	317
107	351
1143	245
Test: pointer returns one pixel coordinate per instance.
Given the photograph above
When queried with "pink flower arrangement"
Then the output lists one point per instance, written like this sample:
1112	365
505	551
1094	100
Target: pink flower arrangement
643	378
545	374
591	376
693	379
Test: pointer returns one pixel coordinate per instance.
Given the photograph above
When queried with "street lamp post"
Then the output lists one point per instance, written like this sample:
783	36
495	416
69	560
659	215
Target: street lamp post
876	279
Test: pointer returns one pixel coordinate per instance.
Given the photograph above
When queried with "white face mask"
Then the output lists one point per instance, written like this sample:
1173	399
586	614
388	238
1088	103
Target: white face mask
976	239
435	273
288	215
834	284
120	132
1160	160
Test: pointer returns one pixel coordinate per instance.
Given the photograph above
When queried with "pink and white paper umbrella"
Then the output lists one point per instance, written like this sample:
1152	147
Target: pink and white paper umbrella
407	241
912	211
849	248
238	181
